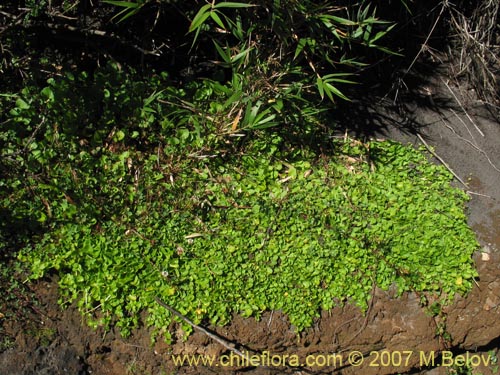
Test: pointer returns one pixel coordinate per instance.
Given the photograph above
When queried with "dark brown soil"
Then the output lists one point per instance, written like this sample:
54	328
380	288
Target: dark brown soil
55	341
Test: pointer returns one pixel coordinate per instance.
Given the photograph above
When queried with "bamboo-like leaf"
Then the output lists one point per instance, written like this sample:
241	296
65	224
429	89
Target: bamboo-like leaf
129	14
236	28
332	78
265	123
225	56
327	23
129	8
254	112
367	33
406	7
380	34
335	91
300	46
328	92
200	17
232	99
123	4
339	20
321	89
336	35
385	50
217	20
152	98
229	4
351	61
373	21
240	55
362	13
359	31
335	75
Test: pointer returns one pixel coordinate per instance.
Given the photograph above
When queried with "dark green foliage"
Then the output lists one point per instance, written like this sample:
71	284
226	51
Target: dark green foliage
288	47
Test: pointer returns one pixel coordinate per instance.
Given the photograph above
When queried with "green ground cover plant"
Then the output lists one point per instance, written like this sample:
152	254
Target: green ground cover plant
135	189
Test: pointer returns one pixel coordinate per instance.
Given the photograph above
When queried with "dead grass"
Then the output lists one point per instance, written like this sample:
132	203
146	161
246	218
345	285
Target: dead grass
476	46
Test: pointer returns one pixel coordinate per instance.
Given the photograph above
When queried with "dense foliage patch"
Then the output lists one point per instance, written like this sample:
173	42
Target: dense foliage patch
135	189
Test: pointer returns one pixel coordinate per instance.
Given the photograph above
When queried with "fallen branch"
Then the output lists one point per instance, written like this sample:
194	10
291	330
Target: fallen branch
463	109
473	145
101	33
464	124
481	195
18	20
441	160
228	345
424	45
365	322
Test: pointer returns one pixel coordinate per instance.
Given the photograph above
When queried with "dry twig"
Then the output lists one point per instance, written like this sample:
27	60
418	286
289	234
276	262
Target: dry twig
462	107
441	160
228	345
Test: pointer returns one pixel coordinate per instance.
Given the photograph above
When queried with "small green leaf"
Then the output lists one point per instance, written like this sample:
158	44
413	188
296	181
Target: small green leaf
21	104
48	94
119	136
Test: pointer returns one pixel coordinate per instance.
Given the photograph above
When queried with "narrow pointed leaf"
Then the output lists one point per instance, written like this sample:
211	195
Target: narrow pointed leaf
200	17
336	91
319	84
230	4
217	20
225	56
